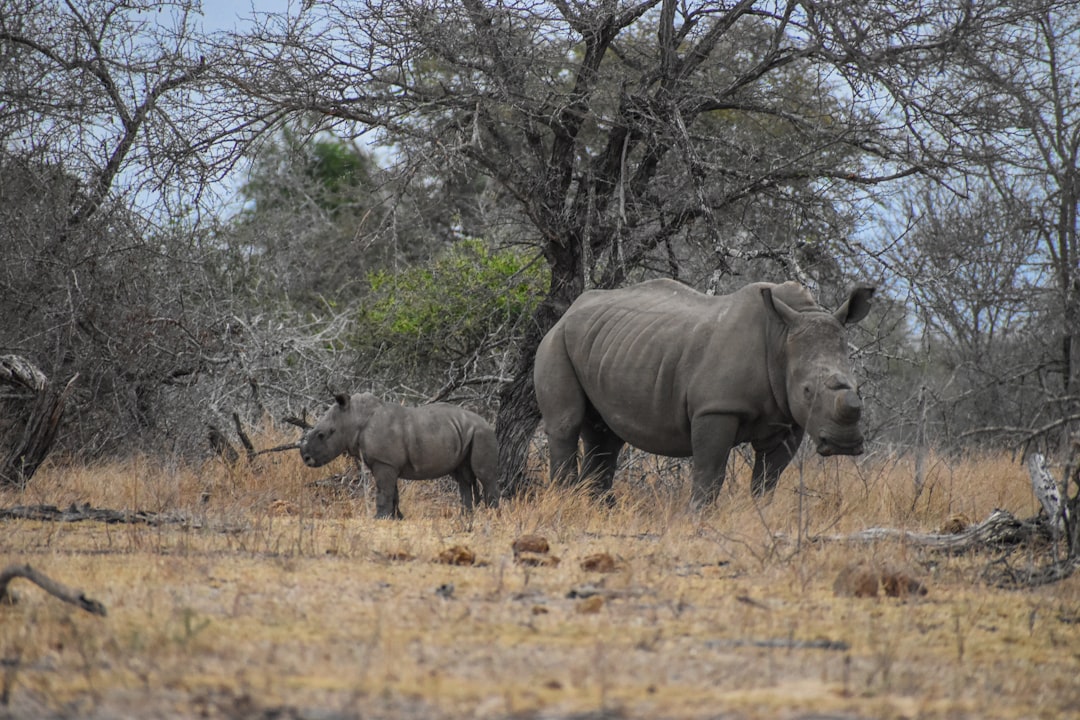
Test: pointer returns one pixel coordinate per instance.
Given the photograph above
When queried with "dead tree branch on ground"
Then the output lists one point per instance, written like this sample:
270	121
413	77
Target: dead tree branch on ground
54	588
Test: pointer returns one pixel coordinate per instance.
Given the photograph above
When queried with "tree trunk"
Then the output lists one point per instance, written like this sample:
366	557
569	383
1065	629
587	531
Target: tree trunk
35	429
515	426
519	415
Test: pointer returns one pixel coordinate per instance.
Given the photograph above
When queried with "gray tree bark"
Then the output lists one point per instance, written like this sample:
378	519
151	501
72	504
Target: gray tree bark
30	427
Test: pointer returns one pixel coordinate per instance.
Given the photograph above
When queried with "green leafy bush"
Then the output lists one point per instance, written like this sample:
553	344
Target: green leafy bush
454	314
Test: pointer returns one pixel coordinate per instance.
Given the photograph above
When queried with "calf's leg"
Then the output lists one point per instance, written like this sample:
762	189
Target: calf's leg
466	481
386	491
484	462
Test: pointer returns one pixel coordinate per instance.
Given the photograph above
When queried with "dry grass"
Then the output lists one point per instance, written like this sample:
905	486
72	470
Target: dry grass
292	600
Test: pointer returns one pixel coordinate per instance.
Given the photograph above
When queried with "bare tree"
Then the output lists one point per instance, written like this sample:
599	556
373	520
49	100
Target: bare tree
107	116
975	285
1029	147
617	129
990	256
116	90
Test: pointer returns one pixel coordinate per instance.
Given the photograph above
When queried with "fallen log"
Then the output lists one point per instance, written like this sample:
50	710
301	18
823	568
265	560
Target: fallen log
46	583
1000	530
78	513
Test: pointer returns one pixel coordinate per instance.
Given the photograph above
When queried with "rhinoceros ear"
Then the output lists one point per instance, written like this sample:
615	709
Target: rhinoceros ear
779	308
856	307
342	401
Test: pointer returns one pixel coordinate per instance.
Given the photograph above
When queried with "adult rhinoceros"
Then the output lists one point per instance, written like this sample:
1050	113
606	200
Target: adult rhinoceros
415	443
675	372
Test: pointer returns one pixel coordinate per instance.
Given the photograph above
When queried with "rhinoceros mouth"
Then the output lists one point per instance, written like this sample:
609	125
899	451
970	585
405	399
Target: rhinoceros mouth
308	458
828	446
312	461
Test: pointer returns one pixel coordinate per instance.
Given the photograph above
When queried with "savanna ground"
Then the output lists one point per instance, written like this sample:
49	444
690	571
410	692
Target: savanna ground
284	599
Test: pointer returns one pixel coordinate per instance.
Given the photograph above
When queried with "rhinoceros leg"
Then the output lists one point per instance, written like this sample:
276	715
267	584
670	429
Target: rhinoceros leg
711	439
564	458
467	486
484	463
386	491
770	461
601	447
562	405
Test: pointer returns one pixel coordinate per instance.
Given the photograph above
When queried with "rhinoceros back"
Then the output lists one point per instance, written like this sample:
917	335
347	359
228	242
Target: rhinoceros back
652	356
428	441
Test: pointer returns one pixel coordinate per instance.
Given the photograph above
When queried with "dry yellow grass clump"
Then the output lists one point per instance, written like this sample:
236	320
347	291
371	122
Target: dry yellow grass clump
278	597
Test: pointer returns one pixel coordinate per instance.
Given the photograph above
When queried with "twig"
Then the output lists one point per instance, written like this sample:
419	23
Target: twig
221	445
68	595
300	422
244	440
782	643
279	448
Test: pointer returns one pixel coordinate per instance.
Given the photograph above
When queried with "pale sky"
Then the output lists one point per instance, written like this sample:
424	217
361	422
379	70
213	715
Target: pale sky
231	14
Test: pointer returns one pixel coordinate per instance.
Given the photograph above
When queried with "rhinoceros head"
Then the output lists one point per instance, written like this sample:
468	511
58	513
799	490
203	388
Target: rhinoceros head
821	390
333	434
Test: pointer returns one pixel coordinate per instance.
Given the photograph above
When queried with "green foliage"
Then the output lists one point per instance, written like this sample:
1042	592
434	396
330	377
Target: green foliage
320	212
337	165
331	172
463	305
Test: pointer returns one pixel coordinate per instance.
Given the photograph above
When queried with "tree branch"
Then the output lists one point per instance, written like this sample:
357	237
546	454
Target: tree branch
54	588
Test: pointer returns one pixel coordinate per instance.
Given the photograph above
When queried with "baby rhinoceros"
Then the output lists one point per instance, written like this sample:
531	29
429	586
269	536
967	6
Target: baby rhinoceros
416	443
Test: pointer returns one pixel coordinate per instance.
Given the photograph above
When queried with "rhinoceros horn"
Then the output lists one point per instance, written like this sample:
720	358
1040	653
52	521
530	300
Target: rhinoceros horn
848	407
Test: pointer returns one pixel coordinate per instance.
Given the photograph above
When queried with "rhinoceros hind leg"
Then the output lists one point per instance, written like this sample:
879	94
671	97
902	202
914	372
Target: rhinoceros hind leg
564	459
386	492
602	448
484	463
467	486
562	405
770	461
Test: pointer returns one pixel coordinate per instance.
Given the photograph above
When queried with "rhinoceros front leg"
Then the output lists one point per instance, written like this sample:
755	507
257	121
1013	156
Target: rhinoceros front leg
386	491
770	461
711	439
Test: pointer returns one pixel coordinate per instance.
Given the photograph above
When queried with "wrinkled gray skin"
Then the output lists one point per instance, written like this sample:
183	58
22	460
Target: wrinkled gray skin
674	372
416	443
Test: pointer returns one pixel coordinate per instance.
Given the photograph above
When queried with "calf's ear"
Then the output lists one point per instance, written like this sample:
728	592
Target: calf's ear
856	307
342	400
